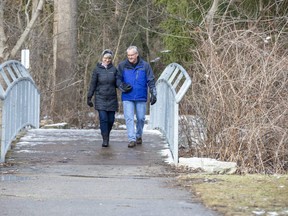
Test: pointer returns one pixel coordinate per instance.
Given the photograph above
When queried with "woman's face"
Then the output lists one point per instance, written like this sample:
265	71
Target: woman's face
106	60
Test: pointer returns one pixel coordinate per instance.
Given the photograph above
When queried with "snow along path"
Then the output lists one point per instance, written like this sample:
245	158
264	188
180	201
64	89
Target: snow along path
67	172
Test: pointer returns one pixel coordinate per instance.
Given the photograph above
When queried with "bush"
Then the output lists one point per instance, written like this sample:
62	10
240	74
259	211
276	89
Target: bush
240	90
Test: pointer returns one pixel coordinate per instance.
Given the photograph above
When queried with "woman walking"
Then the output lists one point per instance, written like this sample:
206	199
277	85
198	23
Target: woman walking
103	87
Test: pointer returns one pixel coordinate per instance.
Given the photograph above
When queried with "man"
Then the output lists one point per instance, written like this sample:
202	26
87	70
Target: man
137	73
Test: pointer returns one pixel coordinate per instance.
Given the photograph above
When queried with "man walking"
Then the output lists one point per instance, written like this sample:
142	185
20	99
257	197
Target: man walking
137	73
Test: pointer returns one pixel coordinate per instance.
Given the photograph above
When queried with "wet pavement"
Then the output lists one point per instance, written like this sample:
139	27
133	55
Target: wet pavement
67	172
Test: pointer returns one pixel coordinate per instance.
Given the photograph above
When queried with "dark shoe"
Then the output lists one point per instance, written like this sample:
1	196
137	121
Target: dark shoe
139	141
105	141
131	144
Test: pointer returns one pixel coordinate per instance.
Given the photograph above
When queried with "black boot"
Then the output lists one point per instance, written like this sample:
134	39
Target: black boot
105	140
109	135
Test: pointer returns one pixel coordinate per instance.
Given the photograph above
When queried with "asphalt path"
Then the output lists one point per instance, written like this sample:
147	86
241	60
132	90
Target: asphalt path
67	172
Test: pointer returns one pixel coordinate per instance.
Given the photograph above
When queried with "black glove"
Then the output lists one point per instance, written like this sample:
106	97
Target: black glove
89	102
125	87
153	99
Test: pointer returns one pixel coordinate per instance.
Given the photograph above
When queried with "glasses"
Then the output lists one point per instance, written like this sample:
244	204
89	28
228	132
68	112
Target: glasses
131	54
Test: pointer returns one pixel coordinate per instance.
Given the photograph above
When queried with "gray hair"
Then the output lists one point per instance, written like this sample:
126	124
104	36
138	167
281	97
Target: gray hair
133	48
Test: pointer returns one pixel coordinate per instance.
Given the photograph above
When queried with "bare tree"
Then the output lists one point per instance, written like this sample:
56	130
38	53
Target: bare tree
65	60
28	29
4	53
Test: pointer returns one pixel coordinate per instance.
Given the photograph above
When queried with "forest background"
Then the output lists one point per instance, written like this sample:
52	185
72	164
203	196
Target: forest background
234	50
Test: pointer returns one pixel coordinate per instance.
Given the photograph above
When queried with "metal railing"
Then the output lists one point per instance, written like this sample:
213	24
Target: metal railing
164	115
19	104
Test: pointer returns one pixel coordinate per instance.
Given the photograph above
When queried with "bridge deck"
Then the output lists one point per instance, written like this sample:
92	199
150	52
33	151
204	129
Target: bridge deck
67	172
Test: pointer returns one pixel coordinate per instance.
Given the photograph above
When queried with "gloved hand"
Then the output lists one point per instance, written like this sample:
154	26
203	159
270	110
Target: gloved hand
89	102
125	87
153	98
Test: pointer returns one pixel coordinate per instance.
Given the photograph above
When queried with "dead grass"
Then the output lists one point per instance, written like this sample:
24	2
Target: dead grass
239	91
240	195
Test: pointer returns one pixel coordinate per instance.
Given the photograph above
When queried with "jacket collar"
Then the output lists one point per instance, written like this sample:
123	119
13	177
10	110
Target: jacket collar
99	64
130	65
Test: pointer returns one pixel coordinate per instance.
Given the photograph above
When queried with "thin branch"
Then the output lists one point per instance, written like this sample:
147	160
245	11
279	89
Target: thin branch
166	34
29	27
122	29
26	11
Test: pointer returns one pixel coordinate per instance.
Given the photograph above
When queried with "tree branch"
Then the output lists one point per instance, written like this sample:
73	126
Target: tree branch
210	16
166	34
3	38
122	29
28	28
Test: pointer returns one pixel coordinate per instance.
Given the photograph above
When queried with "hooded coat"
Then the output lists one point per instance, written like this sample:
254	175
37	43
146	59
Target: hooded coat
103	87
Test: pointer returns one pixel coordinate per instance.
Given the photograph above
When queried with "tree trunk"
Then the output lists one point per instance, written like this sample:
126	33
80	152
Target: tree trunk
64	50
147	32
3	38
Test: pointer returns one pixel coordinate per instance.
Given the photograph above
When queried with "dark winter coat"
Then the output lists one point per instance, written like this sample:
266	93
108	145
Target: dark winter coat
140	76
103	88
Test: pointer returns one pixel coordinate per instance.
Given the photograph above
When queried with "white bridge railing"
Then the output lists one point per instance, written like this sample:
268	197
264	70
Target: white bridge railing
19	103
171	87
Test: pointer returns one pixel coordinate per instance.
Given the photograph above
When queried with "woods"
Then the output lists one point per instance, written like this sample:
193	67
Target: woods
235	52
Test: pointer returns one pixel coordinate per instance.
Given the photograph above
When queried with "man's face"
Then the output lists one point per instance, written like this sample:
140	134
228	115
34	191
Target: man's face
132	56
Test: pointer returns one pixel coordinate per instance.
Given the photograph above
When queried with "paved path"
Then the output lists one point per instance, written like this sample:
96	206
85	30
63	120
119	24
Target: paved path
67	172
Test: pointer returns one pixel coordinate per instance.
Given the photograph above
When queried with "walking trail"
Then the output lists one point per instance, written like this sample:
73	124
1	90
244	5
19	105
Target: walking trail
67	172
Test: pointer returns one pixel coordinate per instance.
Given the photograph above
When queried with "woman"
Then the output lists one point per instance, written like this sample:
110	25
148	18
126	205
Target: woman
103	86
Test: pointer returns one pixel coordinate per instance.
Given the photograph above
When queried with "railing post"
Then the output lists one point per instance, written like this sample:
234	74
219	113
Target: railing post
164	115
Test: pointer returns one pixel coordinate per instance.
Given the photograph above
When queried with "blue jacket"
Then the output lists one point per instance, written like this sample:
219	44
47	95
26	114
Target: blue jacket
140	76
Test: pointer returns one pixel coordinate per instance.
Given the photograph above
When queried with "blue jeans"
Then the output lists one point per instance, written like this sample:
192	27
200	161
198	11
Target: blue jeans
129	108
106	119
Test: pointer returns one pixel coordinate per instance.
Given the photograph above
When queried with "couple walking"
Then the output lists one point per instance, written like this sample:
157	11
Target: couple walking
132	78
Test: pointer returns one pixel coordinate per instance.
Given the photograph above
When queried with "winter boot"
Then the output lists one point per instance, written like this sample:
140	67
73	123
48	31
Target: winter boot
105	140
109	136
131	144
139	141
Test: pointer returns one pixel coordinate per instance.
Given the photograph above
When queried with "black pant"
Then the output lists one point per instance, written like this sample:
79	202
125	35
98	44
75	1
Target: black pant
107	119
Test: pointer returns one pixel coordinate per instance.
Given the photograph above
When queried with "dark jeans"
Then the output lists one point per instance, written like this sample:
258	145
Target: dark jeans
107	119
